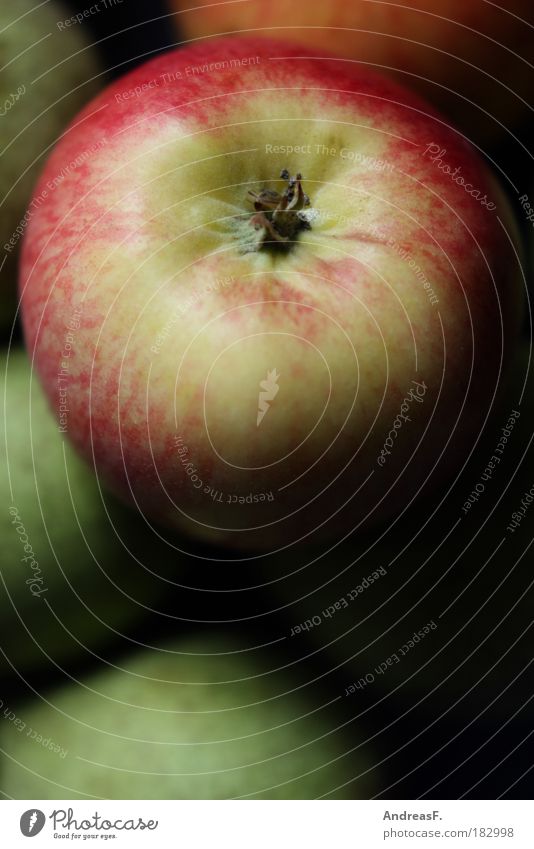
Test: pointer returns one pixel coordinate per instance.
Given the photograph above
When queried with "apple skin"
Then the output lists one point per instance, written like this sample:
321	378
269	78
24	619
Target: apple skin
199	718
91	579
39	110
425	569
454	53
178	327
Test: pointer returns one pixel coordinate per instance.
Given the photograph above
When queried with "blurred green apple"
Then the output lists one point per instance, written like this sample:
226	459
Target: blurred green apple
73	565
204	718
436	610
360	353
48	73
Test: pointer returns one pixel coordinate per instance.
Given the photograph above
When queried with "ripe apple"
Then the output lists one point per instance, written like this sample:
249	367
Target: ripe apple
75	573
48	73
261	358
469	58
200	718
468	570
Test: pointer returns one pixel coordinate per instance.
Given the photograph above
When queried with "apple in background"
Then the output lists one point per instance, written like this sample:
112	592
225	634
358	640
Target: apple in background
75	570
48	74
200	718
259	358
469	58
468	571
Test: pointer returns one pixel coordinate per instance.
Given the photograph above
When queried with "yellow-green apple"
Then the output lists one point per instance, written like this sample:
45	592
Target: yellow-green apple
295	291
75	571
437	610
472	59
206	717
49	71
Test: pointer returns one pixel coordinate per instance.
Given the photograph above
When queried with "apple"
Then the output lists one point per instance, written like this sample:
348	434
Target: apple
49	71
470	58
435	613
199	718
76	571
295	292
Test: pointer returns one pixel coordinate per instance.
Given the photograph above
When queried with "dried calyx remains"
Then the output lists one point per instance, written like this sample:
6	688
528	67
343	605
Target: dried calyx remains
278	218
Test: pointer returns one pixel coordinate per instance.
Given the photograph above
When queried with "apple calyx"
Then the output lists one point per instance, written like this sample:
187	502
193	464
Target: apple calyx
278	217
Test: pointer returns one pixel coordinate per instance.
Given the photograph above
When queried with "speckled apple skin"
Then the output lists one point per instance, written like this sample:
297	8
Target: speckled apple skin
178	327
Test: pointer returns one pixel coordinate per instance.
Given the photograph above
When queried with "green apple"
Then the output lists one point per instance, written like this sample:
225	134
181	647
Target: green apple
472	58
48	73
73	565
202	718
436	608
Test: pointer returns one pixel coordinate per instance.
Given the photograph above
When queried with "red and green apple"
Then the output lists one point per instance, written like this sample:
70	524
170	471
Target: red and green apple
295	291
